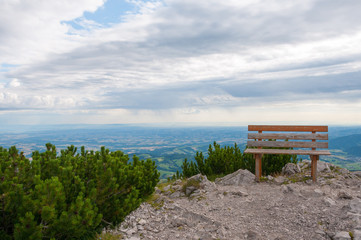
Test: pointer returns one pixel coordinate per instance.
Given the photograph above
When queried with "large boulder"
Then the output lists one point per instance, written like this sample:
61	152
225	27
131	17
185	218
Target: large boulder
290	169
240	177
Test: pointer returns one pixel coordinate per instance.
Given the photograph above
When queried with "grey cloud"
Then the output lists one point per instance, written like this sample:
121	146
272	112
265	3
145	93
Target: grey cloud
117	74
205	29
329	86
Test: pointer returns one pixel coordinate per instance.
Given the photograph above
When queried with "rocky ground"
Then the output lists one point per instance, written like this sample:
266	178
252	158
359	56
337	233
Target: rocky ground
288	206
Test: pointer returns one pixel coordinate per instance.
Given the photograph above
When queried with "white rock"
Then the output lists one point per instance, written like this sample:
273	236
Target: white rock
344	195
323	167
342	236
279	179
142	222
240	177
290	169
134	238
166	188
329	202
357	234
286	189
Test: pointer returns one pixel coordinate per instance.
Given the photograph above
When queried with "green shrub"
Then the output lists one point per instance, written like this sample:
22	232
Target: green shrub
70	196
226	160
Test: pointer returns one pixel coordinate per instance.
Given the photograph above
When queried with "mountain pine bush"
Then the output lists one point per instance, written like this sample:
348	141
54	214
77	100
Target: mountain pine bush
226	160
71	195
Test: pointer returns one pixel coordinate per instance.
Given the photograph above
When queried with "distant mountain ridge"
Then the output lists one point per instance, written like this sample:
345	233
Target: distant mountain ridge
350	144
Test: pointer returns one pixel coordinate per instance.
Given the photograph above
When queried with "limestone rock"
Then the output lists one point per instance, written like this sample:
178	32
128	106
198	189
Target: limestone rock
329	202
279	180
270	178
342	236
240	177
323	167
357	173
190	190
286	189
344	195
236	208
240	193
251	235
357	235
290	169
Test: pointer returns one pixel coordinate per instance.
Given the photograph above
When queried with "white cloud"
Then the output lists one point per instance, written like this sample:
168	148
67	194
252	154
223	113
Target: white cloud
183	58
30	30
14	83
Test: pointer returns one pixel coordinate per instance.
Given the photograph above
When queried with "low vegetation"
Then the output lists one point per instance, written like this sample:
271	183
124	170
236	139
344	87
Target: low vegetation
225	160
69	195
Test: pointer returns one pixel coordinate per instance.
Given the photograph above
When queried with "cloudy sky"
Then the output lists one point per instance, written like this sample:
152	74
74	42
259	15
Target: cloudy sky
180	61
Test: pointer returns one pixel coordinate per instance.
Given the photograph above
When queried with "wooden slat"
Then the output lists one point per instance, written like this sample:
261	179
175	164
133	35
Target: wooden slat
287	152
291	136
287	144
289	128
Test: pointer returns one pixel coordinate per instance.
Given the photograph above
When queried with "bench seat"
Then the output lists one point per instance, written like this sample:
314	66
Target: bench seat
288	152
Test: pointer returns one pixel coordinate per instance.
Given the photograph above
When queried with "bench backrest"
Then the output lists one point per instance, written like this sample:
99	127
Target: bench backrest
297	133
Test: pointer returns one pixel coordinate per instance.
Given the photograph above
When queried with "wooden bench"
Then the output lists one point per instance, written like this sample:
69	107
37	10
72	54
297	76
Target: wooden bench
290	139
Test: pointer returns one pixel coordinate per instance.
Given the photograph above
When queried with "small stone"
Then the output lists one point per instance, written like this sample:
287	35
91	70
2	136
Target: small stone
178	222
157	190
323	167
318	192
280	180
196	237
344	195
134	238
175	195
190	190
320	232
131	231
166	188
357	173
222	232
240	193
286	189
357	234
342	236
309	193
142	222
177	188
304	164
343	171
251	235
329	202
270	178
177	182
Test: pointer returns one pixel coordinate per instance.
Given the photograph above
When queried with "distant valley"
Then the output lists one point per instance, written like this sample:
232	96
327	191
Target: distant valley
168	146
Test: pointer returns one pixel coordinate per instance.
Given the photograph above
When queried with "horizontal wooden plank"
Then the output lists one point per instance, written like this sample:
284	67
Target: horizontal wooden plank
291	136
287	152
287	144
288	128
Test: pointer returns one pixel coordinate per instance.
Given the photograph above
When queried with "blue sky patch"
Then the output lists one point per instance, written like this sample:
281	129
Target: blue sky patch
5	67
110	13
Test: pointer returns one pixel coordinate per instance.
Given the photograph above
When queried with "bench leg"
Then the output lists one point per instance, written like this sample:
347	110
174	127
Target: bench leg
258	168
314	159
